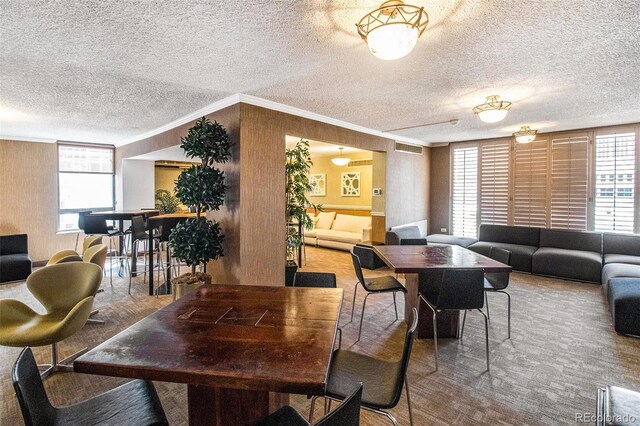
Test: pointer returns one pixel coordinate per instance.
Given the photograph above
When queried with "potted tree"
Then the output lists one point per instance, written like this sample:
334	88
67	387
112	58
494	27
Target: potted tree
198	240
298	164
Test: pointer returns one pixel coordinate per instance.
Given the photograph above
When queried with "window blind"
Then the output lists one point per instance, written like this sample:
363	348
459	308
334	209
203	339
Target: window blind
464	194
494	182
569	182
530	183
615	182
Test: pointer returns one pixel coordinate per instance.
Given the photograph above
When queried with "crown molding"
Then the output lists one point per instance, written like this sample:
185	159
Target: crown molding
275	106
27	139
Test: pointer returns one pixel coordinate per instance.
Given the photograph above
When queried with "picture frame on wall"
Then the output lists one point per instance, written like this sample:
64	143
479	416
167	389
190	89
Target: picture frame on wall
350	184
318	184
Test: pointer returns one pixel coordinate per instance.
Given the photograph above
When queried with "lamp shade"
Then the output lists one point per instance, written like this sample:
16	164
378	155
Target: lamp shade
525	135
340	160
493	110
392	41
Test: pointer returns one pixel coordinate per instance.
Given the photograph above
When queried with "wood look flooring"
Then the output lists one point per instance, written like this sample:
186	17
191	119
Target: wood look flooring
562	348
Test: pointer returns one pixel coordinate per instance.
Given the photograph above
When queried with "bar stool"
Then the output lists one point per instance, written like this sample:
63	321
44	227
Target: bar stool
96	225
138	234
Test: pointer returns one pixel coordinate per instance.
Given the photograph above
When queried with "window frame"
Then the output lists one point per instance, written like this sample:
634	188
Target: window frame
112	173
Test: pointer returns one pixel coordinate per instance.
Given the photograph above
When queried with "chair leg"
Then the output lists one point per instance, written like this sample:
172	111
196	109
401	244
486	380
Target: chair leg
406	386
508	313
353	305
339	337
435	338
59	365
362	316
486	302
486	335
93	320
464	319
395	305
135	250
313	403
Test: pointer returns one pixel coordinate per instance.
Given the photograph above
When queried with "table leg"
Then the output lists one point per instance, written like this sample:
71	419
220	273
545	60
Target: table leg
150	274
447	320
220	406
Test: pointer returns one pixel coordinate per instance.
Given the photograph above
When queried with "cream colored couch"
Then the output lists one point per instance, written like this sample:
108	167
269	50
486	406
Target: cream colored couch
339	231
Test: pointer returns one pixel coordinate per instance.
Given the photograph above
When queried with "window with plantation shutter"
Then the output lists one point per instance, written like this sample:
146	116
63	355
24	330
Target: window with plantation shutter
615	182
494	182
530	183
464	191
569	182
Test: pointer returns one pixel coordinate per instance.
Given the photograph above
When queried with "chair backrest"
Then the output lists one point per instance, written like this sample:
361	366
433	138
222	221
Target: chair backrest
499	280
60	287
95	225
82	215
413	242
347	413
403	364
34	403
96	255
315	279
138	228
90	241
357	267
461	289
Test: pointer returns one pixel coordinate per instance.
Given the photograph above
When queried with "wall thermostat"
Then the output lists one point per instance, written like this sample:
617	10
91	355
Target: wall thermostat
377	192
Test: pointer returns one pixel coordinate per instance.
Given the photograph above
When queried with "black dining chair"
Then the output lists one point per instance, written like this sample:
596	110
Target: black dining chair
497	282
459	290
382	380
138	233
134	403
413	242
318	280
346	414
97	225
384	284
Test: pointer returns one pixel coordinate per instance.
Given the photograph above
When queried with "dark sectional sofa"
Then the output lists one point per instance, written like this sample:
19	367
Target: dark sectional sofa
521	241
15	263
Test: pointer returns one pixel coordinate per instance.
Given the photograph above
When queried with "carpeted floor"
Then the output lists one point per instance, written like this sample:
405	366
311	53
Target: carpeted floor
562	348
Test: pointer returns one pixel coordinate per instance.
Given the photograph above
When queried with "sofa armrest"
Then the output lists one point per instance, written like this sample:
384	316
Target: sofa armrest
366	234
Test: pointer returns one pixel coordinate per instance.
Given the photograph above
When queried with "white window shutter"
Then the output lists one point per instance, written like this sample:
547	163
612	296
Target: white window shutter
494	182
530	183
569	182
464	191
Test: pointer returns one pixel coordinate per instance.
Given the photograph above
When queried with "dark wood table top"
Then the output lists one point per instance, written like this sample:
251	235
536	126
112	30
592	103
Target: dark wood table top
124	214
172	216
413	259
276	339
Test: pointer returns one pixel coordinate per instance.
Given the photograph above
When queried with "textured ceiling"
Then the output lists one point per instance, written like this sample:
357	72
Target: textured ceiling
107	71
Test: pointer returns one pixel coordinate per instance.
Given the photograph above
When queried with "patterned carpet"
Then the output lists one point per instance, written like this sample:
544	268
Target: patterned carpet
562	348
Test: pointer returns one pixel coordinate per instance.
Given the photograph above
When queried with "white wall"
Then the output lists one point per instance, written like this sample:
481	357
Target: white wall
138	184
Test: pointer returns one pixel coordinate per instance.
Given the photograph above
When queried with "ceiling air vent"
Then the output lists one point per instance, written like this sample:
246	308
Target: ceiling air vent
408	148
360	163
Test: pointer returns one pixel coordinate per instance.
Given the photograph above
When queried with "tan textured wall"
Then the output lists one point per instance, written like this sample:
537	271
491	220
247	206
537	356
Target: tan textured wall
439	188
407	192
333	179
165	178
29	197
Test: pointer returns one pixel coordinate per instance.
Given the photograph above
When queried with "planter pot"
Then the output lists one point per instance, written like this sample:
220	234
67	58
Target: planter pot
188	283
290	272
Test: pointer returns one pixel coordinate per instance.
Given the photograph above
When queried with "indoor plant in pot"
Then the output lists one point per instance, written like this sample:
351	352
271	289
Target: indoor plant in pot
198	240
298	164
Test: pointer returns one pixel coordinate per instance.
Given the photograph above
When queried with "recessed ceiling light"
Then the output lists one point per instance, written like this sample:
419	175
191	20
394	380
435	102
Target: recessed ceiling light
492	110
392	30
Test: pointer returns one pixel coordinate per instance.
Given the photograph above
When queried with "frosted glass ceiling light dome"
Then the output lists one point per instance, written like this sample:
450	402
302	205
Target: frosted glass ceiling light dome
340	161
392	30
525	135
492	110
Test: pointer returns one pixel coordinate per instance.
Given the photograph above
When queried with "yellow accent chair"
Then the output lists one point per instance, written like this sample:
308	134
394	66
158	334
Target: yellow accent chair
73	256
66	292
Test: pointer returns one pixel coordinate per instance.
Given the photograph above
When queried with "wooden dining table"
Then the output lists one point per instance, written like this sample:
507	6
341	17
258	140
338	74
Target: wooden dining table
429	262
241	349
121	216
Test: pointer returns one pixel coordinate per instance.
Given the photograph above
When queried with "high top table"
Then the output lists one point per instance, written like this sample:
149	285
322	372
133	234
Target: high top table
240	349
432	260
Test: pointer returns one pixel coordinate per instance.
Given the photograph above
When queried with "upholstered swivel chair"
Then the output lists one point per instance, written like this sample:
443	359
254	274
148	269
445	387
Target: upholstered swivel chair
72	255
346	414
382	380
66	291
318	280
385	284
134	403
460	290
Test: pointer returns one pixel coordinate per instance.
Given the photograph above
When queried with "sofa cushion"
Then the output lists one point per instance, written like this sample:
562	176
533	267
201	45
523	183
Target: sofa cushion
618	270
451	240
571	240
339	236
521	235
13	244
572	264
350	223
14	267
621	258
621	244
325	219
393	237
520	254
624	304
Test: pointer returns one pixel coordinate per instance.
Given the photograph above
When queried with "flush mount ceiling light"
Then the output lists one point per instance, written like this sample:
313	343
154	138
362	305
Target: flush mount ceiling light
525	135
492	110
392	30
340	161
